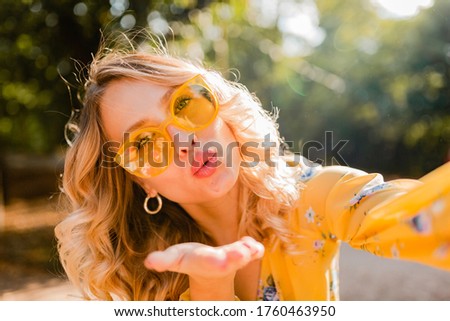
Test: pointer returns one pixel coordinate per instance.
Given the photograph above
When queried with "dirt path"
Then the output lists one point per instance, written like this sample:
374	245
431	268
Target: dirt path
52	290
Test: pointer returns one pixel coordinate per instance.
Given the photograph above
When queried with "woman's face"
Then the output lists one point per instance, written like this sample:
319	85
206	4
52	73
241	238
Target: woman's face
206	163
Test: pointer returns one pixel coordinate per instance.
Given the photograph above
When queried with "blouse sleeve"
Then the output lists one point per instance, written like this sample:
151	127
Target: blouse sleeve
403	218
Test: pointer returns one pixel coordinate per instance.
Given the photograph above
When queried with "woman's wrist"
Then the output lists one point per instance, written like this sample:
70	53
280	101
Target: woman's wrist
212	289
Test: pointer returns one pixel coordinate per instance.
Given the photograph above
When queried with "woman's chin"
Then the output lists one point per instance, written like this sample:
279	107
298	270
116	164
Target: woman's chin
220	184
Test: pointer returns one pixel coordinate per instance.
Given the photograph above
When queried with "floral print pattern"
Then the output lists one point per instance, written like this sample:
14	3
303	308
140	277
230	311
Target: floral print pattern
310	215
268	290
309	171
421	223
366	191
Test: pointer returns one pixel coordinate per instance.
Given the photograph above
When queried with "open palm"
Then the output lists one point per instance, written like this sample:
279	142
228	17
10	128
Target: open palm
201	261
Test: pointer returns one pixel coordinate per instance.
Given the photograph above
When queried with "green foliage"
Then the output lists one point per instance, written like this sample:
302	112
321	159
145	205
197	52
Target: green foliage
381	84
396	105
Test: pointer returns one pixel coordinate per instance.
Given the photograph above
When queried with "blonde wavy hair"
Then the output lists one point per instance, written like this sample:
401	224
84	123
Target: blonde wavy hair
106	235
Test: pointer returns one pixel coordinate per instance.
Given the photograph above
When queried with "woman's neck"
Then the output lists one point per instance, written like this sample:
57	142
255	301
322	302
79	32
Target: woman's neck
219	218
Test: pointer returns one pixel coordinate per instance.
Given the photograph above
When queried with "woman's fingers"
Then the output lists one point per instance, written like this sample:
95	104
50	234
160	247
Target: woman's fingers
256	248
170	259
242	252
162	260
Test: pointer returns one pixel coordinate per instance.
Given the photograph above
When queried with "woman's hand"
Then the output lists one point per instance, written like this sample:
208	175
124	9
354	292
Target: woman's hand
211	270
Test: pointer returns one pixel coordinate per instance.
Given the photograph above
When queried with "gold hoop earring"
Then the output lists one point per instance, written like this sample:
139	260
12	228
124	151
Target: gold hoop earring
158	208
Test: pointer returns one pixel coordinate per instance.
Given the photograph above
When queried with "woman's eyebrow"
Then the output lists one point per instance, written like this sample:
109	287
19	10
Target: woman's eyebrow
137	125
166	97
163	101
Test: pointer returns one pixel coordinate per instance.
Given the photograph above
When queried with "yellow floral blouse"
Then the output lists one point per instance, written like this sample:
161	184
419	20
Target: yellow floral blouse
403	218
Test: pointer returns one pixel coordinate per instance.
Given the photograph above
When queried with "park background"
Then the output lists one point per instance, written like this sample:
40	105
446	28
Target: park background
374	73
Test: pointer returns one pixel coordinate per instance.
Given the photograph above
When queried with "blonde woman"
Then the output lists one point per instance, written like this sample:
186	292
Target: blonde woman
178	190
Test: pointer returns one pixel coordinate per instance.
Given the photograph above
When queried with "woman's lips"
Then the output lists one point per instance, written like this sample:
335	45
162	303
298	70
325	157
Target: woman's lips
204	164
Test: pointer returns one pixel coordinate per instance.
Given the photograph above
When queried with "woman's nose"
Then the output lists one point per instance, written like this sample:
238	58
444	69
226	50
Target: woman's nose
184	142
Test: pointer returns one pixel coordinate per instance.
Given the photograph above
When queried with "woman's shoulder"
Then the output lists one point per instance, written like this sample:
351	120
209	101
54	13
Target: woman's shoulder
309	170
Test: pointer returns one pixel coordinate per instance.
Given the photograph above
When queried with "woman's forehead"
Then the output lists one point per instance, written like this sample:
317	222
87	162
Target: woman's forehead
128	102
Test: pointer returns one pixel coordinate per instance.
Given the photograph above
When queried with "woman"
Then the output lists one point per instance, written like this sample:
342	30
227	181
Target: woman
178	190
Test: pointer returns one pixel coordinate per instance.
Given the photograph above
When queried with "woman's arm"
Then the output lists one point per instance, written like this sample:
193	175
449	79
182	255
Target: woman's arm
403	218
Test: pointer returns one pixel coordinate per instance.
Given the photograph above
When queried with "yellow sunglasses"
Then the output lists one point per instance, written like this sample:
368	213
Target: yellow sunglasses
148	151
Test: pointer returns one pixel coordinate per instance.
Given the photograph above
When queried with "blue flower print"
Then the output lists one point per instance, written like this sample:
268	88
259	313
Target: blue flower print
309	215
366	192
270	292
421	223
309	170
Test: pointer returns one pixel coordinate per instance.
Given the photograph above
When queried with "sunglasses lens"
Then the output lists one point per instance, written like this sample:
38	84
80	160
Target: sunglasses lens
146	154
194	106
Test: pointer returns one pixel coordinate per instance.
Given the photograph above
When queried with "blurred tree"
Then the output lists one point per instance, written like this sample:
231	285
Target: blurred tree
381	84
38	40
44	42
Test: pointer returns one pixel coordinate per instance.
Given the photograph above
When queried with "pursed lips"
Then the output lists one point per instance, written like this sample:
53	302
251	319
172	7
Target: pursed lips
203	160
